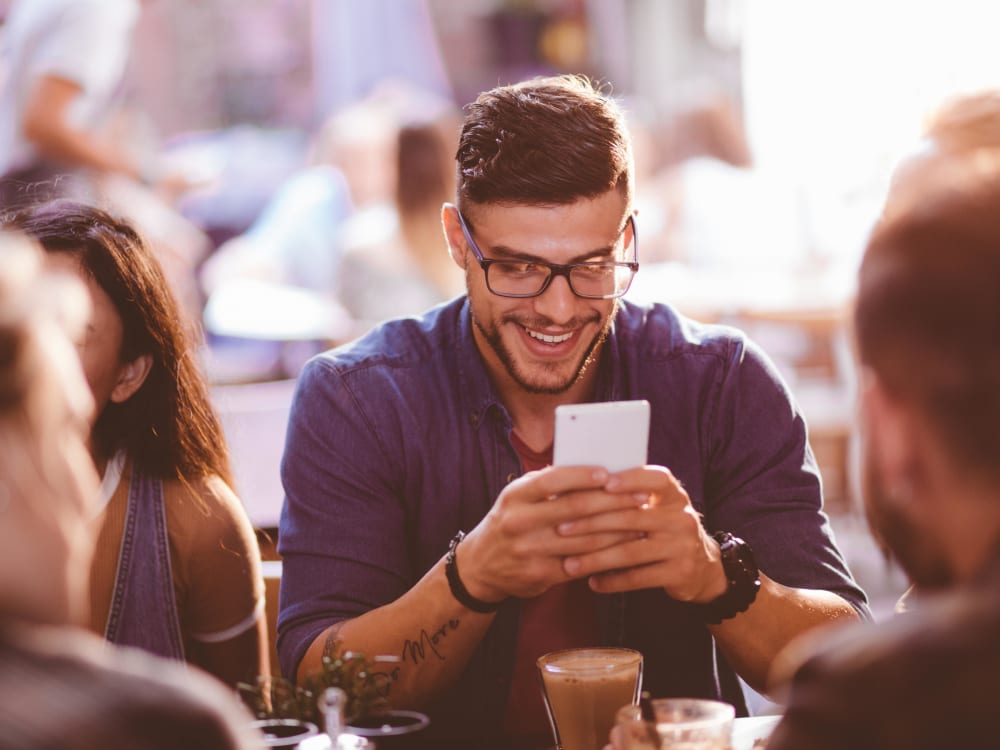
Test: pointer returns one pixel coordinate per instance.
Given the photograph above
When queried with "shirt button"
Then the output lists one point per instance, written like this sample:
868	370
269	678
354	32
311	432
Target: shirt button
511	477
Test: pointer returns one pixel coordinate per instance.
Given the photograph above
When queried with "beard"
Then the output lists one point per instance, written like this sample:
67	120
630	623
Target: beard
898	531
543	379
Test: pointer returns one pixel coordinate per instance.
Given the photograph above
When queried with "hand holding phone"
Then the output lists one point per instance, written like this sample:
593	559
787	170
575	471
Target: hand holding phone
612	434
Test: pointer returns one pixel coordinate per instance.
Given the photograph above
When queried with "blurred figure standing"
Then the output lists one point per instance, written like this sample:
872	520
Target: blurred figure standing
66	63
66	60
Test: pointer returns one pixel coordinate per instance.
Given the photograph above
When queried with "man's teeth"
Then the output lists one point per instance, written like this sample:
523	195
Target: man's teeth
548	339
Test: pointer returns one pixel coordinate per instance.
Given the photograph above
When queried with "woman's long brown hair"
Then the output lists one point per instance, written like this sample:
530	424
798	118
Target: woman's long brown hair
168	427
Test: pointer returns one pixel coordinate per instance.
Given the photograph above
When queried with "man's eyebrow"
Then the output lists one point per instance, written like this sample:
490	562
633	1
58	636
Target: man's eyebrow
502	252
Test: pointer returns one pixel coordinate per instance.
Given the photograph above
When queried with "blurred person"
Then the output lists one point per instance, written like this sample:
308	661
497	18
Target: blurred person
966	125
60	687
928	348
177	569
409	270
296	239
422	517
66	61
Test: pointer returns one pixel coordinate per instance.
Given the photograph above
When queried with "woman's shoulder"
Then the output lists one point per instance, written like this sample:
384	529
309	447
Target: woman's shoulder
207	509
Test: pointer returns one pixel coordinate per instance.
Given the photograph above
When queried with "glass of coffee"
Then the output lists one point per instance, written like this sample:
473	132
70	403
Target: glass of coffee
583	690
679	724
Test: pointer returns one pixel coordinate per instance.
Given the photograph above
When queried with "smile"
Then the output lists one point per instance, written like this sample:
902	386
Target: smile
549	339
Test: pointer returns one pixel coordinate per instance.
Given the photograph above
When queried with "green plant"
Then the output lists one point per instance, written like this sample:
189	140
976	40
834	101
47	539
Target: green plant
279	698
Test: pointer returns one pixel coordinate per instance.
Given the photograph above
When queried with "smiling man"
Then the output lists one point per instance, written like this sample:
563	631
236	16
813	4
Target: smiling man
423	518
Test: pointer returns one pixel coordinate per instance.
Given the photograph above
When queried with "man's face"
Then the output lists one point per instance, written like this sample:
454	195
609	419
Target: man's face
544	344
897	517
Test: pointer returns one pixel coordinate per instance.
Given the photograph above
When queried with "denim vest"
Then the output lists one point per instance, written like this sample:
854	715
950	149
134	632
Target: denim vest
143	605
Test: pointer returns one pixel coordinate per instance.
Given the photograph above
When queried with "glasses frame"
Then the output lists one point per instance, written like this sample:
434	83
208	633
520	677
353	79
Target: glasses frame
555	269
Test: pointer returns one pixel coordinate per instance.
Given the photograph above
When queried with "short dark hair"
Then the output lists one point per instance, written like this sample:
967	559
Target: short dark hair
168	427
927	317
545	141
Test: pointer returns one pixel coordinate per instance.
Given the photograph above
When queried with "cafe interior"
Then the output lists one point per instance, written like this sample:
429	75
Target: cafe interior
765	134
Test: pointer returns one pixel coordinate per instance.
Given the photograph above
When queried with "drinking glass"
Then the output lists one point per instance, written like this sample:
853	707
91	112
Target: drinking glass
583	690
679	724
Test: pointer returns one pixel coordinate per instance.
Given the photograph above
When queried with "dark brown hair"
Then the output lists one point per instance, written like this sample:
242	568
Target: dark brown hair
168	427
543	141
927	318
424	179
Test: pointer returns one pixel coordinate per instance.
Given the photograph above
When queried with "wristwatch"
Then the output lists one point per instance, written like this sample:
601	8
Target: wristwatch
458	589
742	575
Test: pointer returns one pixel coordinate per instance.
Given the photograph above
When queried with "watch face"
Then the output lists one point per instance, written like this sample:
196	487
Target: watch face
738	560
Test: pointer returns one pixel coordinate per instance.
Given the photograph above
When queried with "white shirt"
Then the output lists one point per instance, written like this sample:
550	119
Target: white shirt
84	41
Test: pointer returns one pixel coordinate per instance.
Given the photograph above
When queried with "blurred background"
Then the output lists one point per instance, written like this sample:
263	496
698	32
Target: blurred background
319	134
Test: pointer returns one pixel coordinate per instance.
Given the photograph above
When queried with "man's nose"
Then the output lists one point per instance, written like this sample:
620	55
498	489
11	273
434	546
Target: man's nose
558	302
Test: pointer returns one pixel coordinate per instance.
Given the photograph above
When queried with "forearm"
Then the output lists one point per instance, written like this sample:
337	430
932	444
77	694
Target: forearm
432	635
66	145
752	639
48	126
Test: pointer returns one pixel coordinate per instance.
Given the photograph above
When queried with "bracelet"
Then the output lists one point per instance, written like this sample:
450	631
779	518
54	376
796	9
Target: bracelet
458	589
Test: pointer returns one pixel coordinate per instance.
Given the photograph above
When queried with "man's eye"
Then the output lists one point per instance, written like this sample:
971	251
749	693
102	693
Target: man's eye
521	269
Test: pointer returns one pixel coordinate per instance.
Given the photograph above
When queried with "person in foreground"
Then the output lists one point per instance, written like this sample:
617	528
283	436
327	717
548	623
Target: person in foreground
926	319
61	687
442	424
177	570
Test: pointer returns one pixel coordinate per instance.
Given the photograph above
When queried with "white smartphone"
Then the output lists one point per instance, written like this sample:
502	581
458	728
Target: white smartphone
612	434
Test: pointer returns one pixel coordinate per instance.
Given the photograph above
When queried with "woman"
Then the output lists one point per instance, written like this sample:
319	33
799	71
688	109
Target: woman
59	687
177	569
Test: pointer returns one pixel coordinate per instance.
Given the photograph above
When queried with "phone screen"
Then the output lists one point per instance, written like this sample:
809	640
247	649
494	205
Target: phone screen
612	434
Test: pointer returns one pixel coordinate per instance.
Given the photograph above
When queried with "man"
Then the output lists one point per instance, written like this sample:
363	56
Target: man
927	320
431	426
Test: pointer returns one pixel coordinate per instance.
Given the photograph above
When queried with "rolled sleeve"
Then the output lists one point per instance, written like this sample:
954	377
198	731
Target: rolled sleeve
341	541
764	484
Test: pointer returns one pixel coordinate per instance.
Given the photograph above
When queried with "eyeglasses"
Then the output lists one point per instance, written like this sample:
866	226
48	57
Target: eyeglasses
529	278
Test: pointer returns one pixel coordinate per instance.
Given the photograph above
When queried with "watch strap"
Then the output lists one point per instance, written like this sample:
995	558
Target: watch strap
742	577
458	589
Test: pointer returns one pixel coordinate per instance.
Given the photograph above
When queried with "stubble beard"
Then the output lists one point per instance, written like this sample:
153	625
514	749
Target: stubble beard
918	553
542	385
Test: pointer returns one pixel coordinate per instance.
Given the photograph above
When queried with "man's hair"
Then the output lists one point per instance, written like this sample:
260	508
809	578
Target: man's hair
927	318
168	427
546	141
965	122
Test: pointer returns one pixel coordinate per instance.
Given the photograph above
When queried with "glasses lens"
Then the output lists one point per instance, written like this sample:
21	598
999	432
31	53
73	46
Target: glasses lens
601	280
518	279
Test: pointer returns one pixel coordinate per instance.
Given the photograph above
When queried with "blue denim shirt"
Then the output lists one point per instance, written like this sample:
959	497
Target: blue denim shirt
398	440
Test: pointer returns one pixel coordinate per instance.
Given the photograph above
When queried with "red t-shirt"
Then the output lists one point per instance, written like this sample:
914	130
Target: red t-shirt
562	617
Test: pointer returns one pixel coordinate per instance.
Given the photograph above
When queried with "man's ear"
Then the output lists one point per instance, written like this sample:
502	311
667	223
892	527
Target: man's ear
131	376
457	248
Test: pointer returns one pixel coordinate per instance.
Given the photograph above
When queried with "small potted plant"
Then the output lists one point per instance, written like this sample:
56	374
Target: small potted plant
366	710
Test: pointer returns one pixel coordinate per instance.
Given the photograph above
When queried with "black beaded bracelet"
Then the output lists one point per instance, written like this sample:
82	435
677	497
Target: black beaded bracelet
458	589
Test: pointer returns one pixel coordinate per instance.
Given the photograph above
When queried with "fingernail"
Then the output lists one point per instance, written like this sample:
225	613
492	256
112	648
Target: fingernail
613	483
565	527
571	565
641	498
600	475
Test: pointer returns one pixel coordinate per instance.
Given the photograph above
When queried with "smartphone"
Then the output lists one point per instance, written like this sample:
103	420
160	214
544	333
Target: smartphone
612	434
